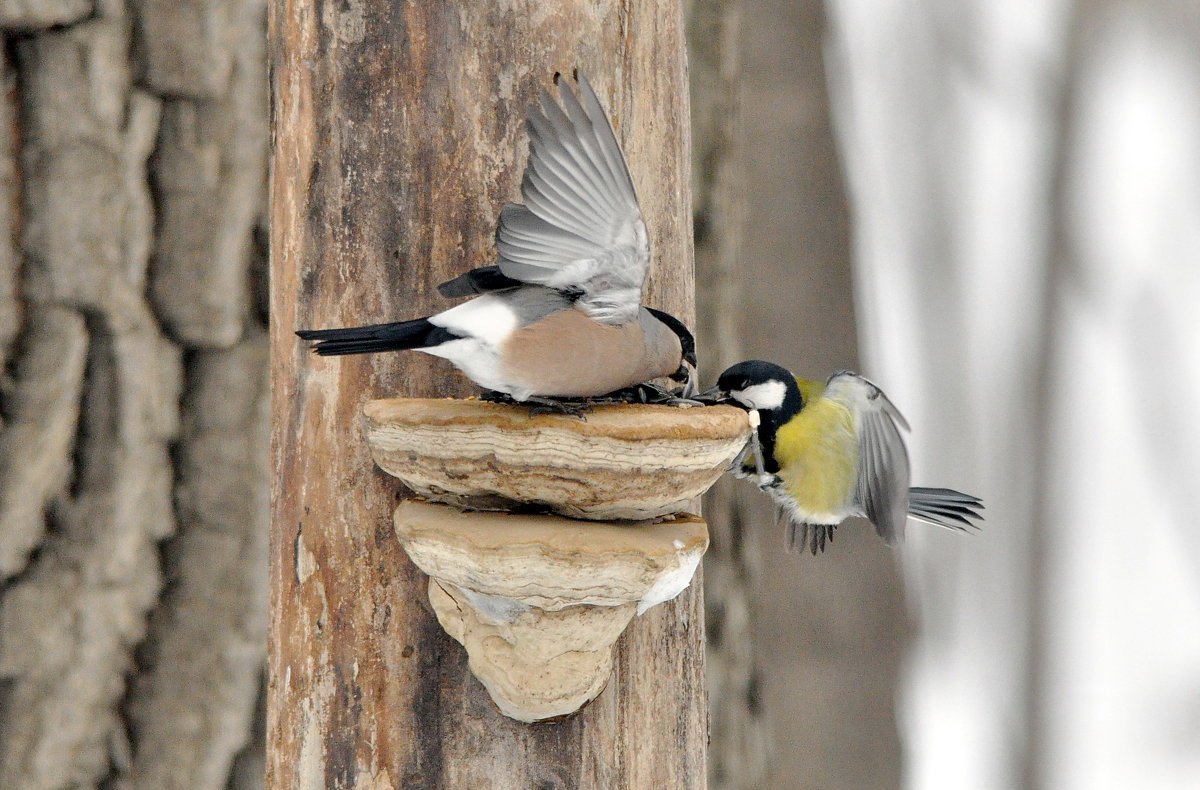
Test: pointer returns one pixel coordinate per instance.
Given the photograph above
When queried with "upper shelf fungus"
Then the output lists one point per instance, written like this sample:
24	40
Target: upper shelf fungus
624	462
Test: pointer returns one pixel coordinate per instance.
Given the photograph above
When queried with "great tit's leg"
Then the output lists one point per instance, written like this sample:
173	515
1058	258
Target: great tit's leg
741	458
797	535
539	405
801	536
764	479
822	534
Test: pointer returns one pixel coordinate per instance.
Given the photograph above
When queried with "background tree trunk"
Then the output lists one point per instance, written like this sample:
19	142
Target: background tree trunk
833	630
1027	194
132	457
739	742
399	134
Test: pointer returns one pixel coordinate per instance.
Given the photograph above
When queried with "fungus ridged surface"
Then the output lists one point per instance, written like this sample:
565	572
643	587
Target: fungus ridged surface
623	462
539	600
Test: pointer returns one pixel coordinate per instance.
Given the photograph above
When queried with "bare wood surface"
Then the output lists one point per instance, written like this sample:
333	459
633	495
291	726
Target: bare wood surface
399	133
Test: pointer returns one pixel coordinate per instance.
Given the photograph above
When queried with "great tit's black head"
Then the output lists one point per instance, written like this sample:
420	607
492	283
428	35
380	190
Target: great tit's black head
755	384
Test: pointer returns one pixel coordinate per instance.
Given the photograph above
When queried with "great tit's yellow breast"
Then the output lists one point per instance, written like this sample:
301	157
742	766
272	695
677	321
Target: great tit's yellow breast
817	452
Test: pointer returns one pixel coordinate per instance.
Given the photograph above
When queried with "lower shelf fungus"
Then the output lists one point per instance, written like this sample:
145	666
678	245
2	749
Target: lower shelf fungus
539	600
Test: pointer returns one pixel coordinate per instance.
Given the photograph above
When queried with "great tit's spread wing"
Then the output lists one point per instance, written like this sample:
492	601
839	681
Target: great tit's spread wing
883	470
581	230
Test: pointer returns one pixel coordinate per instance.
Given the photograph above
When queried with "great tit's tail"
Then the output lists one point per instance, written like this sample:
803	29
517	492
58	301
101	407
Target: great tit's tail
812	537
399	336
945	507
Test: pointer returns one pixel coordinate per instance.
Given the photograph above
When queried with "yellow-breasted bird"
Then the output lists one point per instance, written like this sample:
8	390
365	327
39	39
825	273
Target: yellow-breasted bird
825	452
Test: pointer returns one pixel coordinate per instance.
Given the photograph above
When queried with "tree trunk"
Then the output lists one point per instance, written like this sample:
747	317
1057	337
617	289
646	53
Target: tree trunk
132	457
399	133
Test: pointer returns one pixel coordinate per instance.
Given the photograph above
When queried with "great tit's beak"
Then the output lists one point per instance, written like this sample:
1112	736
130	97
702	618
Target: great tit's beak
713	395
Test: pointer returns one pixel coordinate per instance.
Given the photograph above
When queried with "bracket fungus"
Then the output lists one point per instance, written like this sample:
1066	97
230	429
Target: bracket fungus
538	597
626	461
539	600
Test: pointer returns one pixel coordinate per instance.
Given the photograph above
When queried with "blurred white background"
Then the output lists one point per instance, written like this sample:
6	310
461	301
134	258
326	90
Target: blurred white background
1025	182
1022	195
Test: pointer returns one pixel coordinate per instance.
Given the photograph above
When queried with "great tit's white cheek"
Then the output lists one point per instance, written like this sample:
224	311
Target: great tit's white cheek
767	395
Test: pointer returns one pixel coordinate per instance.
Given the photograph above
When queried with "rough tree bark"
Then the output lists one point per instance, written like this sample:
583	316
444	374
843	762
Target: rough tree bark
398	135
132	454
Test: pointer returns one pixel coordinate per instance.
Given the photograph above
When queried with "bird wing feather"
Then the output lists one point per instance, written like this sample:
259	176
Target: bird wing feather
581	229
883	473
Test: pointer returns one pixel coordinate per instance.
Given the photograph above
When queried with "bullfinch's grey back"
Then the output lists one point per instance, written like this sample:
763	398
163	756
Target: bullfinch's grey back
560	314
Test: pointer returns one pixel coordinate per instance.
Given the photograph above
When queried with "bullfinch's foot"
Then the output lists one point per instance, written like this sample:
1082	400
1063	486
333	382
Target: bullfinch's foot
495	396
550	406
646	393
538	405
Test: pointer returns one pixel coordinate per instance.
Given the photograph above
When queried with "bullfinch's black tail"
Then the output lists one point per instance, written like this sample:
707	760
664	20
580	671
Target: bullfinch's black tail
945	507
399	336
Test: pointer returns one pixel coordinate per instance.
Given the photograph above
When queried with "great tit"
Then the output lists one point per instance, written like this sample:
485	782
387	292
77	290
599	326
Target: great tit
560	315
825	452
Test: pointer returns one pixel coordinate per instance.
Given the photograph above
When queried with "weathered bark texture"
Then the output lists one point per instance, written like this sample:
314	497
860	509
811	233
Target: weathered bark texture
738	750
132	462
32	15
399	133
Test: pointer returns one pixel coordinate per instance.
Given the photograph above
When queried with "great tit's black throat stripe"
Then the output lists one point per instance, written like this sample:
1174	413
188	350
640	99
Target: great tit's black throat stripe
771	420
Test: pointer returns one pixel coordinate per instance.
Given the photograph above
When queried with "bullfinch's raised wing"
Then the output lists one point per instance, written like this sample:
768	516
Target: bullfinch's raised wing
883	471
581	230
